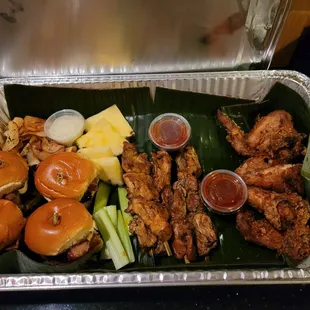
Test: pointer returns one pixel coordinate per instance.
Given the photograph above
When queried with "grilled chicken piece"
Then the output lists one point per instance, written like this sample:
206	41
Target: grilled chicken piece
153	217
140	185
178	207
271	134
183	241
132	161
188	163
281	210
259	231
161	169
145	237
297	243
205	233
269	174
167	198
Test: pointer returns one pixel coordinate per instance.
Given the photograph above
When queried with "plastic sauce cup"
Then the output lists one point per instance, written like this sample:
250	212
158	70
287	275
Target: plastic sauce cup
170	132
223	191
65	126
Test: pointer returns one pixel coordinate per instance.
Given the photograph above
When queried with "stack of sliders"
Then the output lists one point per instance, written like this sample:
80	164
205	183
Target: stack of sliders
150	221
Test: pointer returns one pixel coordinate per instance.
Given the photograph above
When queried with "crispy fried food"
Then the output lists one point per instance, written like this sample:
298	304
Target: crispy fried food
259	231
297	243
271	134
42	148
140	185
161	169
188	163
153	217
132	161
145	237
205	233
12	137
183	241
281	210
269	174
34	124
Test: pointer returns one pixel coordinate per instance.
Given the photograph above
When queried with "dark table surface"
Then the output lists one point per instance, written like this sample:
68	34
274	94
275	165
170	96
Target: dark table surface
209	298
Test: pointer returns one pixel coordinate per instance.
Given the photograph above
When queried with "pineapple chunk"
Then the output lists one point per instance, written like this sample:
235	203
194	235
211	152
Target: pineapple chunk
96	152
102	134
110	170
115	117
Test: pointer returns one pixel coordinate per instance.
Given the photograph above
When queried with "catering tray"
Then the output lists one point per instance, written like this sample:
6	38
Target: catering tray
253	85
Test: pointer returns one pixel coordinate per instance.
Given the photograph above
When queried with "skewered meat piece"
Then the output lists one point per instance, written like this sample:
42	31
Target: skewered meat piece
178	207
271	134
259	231
183	241
188	163
153	217
140	185
145	237
167	198
205	233
269	174
161	169
132	161
281	210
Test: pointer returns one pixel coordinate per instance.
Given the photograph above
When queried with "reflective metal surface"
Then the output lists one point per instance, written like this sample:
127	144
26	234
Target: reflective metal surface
72	37
248	85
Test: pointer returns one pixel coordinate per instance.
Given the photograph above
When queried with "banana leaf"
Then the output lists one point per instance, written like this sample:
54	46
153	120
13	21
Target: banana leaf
208	138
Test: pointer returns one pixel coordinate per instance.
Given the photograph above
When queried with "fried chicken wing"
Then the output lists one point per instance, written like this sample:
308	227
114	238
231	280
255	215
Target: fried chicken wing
297	243
205	233
132	161
140	185
269	174
145	237
259	231
161	169
281	210
153	217
271	134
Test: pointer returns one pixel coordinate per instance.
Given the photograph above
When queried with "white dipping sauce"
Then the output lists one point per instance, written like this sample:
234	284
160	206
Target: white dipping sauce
65	126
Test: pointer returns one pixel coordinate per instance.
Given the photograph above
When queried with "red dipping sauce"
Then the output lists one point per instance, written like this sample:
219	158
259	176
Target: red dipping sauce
223	191
170	131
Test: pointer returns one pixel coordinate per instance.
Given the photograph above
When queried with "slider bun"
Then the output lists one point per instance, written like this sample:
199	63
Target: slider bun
11	223
45	238
13	172
64	175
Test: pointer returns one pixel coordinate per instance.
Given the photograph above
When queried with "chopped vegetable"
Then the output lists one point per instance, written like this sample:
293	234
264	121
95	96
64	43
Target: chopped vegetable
111	238
124	236
102	196
112	212
105	254
123	201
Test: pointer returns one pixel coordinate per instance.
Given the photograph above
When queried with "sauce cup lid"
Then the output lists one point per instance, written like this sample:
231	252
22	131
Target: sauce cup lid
223	191
170	132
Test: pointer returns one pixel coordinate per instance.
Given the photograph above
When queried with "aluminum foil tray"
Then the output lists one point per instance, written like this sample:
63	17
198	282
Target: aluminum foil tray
247	85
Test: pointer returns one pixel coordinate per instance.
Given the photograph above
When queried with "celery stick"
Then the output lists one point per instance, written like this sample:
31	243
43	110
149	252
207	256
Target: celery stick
109	235
112	212
105	254
123	201
124	236
102	196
